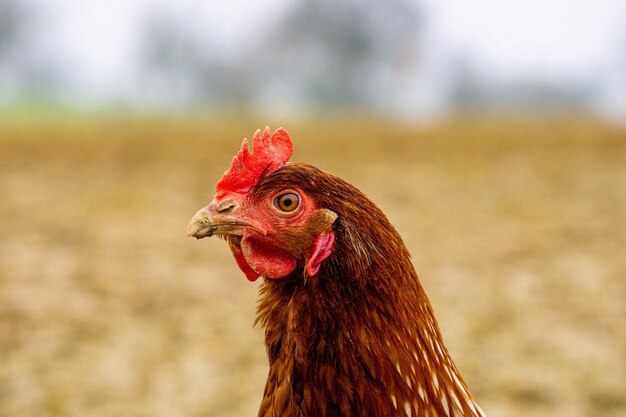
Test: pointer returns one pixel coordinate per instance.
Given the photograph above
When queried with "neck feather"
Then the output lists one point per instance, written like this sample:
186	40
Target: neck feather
359	338
357	346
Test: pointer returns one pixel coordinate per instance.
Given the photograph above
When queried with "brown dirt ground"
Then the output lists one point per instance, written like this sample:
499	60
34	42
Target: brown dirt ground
517	229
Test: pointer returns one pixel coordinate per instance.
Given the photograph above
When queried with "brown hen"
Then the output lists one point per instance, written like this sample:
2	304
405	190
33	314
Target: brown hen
348	328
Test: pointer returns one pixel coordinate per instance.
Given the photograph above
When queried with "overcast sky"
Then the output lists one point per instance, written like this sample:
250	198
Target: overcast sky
561	38
508	39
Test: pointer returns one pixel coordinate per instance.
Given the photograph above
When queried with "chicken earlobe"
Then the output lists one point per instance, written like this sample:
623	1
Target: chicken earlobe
320	224
322	249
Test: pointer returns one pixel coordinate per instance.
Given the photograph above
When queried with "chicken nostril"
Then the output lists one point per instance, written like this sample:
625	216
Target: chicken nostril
225	206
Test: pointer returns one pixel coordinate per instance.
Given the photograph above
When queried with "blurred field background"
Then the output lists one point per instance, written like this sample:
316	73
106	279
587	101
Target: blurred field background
106	308
492	133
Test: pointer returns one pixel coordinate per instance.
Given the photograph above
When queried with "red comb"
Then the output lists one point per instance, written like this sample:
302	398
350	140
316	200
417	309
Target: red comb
269	152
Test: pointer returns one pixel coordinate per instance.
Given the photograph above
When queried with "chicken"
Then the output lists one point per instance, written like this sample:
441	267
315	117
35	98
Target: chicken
348	328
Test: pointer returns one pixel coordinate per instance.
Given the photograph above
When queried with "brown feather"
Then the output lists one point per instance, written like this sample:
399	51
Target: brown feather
360	337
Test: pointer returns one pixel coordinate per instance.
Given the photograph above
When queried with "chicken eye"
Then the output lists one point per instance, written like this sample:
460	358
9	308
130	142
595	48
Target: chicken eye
287	202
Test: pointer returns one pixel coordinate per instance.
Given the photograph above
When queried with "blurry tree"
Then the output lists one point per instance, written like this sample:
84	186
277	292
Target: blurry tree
466	85
317	52
340	53
472	90
27	72
182	67
12	18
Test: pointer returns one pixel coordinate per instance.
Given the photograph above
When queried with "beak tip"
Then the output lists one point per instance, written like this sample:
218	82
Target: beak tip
198	224
199	230
192	230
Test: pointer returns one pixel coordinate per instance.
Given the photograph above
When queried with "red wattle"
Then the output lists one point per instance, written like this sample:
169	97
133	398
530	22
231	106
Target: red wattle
243	265
266	259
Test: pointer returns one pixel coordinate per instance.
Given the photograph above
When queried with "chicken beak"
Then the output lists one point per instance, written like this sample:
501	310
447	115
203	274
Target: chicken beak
219	219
